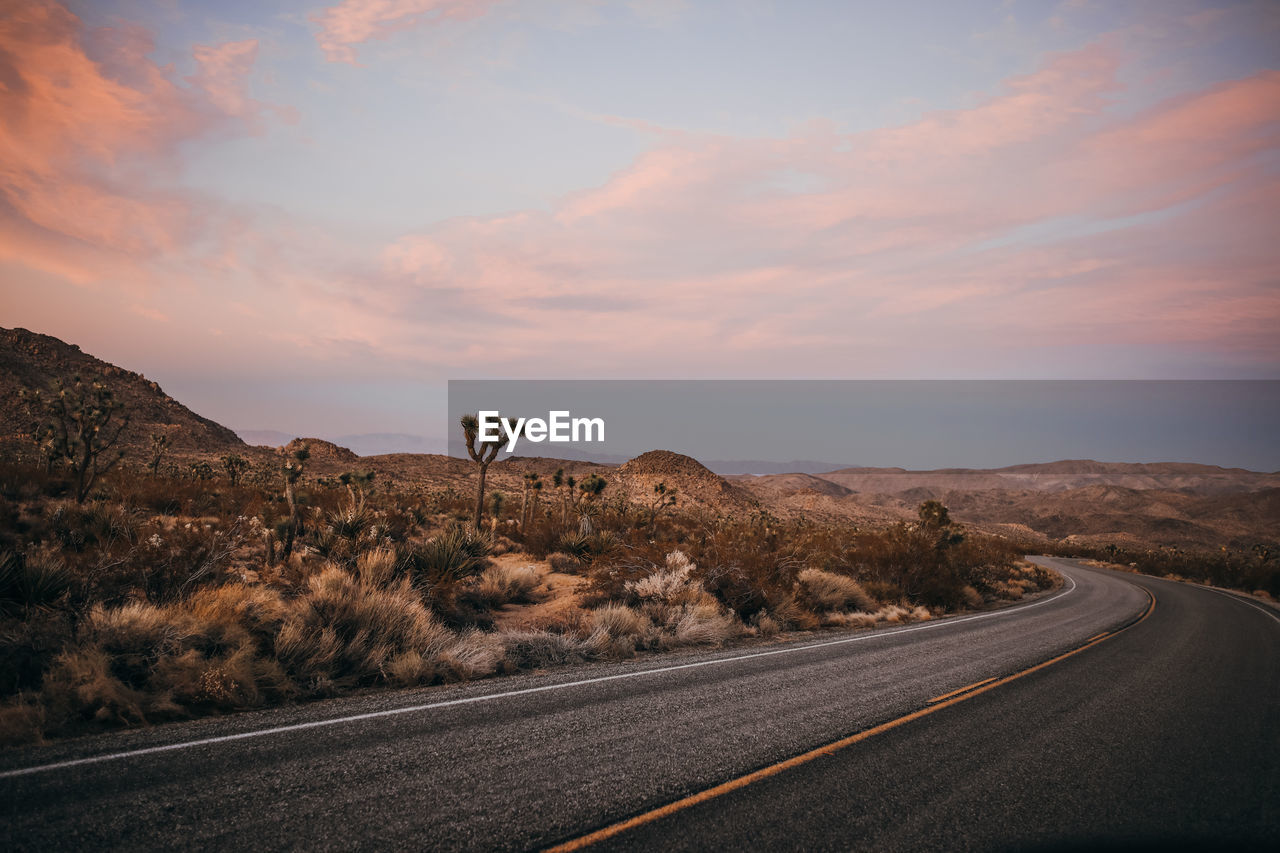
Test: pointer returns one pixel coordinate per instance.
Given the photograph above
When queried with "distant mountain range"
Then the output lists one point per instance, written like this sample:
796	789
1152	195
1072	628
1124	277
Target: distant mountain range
362	444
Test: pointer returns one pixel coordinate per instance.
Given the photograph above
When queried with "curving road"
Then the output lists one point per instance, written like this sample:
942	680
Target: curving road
1163	729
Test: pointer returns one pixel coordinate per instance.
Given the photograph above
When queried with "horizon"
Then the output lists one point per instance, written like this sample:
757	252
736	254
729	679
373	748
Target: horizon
309	219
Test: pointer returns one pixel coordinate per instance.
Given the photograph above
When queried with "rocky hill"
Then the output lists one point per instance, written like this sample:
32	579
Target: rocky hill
697	484
31	361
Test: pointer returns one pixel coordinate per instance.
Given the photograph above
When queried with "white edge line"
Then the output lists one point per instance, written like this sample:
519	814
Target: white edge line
1231	595
314	724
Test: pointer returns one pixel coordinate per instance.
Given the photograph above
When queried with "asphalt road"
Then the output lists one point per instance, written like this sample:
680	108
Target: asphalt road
1168	731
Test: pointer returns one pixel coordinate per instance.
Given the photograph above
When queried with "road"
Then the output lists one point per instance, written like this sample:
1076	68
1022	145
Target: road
1163	729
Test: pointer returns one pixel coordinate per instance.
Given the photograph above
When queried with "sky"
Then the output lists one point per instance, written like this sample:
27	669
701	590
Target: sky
309	217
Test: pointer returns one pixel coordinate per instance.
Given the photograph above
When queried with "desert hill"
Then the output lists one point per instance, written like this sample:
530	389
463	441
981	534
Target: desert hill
1056	476
697	485
31	361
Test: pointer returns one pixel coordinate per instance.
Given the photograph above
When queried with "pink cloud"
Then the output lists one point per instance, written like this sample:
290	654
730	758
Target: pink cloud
981	233
224	78
353	22
88	136
714	242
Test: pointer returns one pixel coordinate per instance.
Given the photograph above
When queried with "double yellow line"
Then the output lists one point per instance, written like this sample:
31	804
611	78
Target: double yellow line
935	704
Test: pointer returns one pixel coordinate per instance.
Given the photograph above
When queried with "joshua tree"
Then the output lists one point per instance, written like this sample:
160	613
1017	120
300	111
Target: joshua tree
586	505
482	452
235	466
159	444
356	481
529	498
934	515
200	470
292	473
663	497
81	423
496	501
564	485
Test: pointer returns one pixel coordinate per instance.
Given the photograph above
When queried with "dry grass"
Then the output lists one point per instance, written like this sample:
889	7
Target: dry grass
506	584
541	649
825	591
342	632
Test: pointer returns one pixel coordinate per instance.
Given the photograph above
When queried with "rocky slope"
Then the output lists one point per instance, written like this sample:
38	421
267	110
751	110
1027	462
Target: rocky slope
30	361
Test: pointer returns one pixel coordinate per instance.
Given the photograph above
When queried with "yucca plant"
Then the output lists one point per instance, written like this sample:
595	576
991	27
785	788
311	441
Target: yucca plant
34	581
459	552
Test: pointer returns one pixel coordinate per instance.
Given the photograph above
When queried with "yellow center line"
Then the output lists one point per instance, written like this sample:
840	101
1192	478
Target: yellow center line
620	827
961	690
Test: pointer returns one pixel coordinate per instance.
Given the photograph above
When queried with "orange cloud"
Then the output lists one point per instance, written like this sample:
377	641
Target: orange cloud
83	141
353	22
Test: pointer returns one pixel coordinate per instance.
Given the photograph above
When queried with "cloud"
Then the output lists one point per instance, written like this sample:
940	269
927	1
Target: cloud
89	131
1031	233
224	78
354	22
1028	213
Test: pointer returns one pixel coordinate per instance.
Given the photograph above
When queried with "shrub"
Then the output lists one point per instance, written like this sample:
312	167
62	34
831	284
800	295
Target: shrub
342	632
562	562
539	649
499	585
671	584
823	591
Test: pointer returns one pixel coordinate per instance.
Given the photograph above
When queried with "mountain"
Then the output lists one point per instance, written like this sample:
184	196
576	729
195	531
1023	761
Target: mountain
31	361
1056	476
361	444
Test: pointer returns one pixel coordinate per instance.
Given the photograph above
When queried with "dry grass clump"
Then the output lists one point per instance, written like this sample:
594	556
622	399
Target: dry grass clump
141	662
541	649
789	614
825	591
499	585
377	567
562	562
892	614
342	632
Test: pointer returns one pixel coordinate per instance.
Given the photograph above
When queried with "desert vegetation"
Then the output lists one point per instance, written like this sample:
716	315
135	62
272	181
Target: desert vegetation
1255	569
153	596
